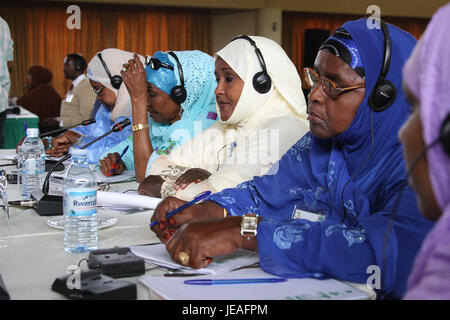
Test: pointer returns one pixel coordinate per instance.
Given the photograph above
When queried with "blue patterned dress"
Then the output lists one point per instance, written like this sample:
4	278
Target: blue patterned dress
355	232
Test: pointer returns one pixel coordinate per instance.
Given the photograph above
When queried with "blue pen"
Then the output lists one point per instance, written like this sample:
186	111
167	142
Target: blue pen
210	282
25	126
118	160
199	197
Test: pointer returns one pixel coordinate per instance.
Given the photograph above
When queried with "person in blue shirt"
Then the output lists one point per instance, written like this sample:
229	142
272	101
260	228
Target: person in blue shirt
173	100
326	212
115	106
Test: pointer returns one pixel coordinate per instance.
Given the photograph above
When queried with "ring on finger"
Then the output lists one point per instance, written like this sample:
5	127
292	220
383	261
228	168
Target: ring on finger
184	258
125	67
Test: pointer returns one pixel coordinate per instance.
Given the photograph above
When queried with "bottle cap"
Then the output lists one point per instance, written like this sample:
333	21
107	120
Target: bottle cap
32	132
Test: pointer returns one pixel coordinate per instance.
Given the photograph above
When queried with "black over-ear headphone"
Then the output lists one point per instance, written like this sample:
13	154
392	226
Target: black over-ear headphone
178	93
116	81
78	60
78	65
444	135
261	80
384	92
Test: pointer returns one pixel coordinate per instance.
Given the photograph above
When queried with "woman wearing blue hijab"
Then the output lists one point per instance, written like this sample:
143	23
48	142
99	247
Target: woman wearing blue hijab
327	212
179	103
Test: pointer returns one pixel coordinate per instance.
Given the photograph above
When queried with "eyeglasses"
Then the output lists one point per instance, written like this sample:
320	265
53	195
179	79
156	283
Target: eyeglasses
99	90
312	79
155	64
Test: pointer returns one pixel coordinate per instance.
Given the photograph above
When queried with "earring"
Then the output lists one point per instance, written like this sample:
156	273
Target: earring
181	111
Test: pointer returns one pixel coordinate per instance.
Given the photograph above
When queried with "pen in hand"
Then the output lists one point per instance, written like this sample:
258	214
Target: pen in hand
114	166
198	198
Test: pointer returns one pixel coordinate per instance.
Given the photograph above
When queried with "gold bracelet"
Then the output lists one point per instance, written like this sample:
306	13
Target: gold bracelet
139	126
225	213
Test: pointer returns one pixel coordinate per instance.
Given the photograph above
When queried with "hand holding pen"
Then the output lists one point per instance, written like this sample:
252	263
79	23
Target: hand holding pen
116	163
164	223
112	163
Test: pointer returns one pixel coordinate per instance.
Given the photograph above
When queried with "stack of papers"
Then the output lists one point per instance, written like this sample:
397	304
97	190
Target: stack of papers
293	289
158	255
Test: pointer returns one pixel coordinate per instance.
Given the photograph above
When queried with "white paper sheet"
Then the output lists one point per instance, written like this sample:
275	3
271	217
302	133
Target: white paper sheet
119	199
293	289
158	255
126	175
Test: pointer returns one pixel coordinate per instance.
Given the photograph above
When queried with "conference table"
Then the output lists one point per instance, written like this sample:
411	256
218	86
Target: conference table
34	256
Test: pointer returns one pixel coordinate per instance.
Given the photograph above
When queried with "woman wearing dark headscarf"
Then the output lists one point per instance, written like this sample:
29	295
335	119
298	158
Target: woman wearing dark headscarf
326	212
41	98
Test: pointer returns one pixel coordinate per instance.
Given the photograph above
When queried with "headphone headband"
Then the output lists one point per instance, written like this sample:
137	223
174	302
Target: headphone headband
384	92
387	50
116	81
178	93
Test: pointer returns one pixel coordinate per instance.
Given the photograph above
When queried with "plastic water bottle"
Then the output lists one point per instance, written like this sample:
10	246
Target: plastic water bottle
80	205
31	162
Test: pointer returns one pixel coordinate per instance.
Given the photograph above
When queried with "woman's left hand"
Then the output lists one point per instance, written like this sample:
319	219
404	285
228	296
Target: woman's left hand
203	240
135	80
151	186
192	175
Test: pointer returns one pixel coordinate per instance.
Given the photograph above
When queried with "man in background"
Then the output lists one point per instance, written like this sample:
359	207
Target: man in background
79	101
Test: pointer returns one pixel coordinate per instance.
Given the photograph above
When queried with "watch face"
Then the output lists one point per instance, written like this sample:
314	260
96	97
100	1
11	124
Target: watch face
249	224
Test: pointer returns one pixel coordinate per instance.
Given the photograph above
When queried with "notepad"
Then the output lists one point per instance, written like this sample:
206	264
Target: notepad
174	288
158	255
126	175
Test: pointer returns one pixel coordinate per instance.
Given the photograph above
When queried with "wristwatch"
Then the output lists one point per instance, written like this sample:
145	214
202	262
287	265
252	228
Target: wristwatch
249	225
139	126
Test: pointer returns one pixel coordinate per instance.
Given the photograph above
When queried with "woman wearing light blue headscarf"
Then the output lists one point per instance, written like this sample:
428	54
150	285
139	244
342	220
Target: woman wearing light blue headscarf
197	110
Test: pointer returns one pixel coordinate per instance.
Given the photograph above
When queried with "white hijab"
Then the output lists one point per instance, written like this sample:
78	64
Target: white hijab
282	111
114	59
240	55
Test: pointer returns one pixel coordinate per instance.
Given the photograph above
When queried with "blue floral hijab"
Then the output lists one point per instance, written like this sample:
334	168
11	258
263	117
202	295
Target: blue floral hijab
314	175
199	108
200	103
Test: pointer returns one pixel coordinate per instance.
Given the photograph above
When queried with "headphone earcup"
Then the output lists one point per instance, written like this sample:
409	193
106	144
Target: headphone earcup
262	82
116	81
178	94
445	135
382	96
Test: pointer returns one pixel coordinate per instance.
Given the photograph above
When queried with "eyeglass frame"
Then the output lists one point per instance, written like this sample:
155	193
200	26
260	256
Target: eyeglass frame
98	91
338	89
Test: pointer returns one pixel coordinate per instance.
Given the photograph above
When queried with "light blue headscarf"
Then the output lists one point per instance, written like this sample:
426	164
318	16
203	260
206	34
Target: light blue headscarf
199	108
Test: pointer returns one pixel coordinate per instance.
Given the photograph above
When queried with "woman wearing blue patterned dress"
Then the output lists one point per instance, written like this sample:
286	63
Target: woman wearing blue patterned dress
339	205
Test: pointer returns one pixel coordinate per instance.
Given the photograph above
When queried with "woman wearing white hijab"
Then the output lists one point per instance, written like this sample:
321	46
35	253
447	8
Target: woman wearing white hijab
255	129
115	105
